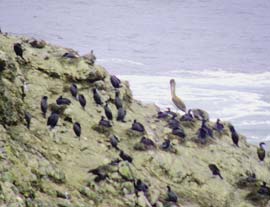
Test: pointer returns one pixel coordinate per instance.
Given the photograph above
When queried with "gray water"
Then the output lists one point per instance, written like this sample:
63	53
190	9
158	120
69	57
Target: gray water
218	51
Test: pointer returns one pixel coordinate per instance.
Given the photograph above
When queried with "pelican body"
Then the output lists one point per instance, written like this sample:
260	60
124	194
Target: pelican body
175	99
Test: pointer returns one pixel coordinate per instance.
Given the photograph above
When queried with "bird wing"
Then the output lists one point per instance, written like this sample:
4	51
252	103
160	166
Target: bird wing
179	103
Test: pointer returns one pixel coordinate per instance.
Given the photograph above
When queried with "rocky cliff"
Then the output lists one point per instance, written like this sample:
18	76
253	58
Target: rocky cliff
50	167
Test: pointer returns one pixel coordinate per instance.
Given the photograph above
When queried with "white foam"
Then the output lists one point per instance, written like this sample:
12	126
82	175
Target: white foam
120	61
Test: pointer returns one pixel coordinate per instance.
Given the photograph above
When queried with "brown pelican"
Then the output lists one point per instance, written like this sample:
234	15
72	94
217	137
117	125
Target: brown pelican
175	99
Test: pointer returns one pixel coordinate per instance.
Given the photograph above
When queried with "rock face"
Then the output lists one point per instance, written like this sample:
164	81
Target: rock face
42	167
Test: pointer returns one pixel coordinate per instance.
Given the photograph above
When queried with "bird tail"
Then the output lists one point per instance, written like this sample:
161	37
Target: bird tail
220	176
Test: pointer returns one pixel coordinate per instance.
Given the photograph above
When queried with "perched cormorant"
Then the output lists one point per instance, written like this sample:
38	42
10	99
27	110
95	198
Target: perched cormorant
82	100
234	135
137	126
28	118
71	55
77	129
175	99
52	120
264	190
114	141
171	196
125	156
147	142
173	122
117	101
90	58
215	171
62	101
115	81
121	114
261	151
44	105
219	126
178	131
166	145
74	90
140	186
188	116
162	115
18	50
208	130
202	135
97	97
104	122
108	112
170	112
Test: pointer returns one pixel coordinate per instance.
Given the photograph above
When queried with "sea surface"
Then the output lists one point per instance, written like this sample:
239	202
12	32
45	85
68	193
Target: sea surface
217	51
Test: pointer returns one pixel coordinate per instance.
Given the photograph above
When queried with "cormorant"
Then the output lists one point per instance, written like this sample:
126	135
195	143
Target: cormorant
44	105
208	130
62	101
18	50
202	135
52	120
137	126
188	116
77	129
90	58
171	196
170	112
114	141
100	174
82	100
173	122
264	190
74	90
115	81
125	156
140	186
234	135
166	145
178	132
104	122
175	99
28	118
215	170
97	97
117	101
147	142
162	115
108	112
219	126
121	114
261	151
71	55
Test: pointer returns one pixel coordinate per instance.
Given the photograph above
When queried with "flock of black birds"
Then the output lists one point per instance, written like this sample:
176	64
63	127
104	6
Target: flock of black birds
204	131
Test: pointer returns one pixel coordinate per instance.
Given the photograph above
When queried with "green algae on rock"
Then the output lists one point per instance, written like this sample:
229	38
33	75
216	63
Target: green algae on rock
42	167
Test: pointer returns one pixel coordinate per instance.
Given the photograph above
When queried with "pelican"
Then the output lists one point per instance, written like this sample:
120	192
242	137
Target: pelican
175	99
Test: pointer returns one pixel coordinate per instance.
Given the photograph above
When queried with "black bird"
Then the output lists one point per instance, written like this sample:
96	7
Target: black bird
44	105
203	135
162	115
173	122
264	190
137	126
171	112
166	145
215	170
140	186
261	151
82	100
219	126
18	50
52	120
62	101
125	156
100	174
117	101
121	114
188	116
97	97
74	90
104	122
108	112
28	118
77	129
147	142
208	130
234	135
115	81
178	131
114	141
171	196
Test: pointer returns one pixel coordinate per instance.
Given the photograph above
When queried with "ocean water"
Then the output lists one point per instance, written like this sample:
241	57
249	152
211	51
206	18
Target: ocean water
217	51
